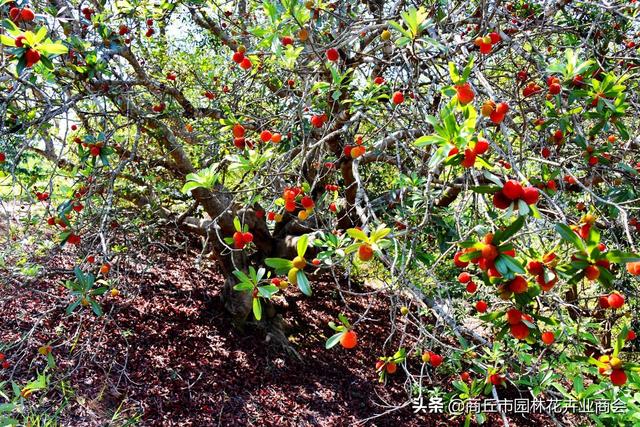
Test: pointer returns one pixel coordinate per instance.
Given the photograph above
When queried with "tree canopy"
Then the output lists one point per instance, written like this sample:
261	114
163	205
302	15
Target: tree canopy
477	162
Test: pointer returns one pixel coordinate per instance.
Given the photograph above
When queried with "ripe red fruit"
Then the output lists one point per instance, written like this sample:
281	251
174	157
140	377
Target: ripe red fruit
558	136
247	237
530	195
618	377
378	80
307	202
481	146
32	57
464	277
518	285
631	335
469	158
27	15
380	365
496	379
471	287
237	57
489	252
318	120
265	136
3	157
485	48
512	189
238	130
519	331
95	151
481	306
332	54
333	207
19	41
150	32
495	37
603	301
465	93
514	316
496	117
123	29
500	201
591	272
286	40
457	262
535	267
435	360
391	367
245	64
502	108
548	338
397	98
522	76
14	14
615	300
365	252
349	339
237	240
546	153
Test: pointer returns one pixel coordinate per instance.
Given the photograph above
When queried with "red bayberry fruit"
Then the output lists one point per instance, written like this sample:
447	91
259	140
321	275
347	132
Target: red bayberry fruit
332	54
397	98
548	338
481	146
512	189
349	339
591	272
465	93
519	331
518	285
530	195
481	306
615	300
514	316
32	57
618	377
265	136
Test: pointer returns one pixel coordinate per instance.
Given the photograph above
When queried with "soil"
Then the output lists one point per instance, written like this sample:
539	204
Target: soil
165	353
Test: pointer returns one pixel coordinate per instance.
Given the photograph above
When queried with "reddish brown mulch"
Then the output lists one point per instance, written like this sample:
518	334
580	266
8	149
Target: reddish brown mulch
166	353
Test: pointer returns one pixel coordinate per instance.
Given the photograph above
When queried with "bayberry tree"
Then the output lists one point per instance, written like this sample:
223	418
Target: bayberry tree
477	161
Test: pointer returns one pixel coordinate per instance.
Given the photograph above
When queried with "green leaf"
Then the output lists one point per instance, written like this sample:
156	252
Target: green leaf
96	307
428	140
53	48
567	234
512	264
333	340
512	229
357	234
257	308
302	244
7	41
243	286
618	256
303	283
279	264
